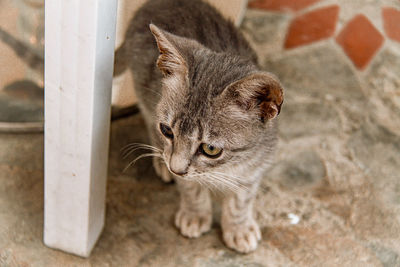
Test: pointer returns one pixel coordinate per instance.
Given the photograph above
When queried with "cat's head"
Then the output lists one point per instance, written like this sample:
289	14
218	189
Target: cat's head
216	108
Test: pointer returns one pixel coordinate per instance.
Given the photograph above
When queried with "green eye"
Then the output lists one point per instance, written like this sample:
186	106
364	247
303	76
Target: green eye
210	151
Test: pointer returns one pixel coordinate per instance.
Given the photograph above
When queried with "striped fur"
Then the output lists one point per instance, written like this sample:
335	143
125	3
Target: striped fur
195	73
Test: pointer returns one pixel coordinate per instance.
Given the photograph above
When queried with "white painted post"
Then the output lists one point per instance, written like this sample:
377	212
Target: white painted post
79	54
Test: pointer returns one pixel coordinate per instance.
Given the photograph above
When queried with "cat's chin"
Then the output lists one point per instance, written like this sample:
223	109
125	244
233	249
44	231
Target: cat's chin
186	178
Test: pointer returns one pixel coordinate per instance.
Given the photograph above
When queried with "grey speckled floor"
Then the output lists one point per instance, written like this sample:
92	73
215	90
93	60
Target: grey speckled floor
332	199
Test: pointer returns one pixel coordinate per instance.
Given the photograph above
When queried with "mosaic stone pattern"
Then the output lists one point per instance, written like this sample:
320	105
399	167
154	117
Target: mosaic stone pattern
359	33
312	27
360	40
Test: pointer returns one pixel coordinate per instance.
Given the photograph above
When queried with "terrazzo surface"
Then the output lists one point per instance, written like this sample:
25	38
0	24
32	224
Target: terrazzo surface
331	199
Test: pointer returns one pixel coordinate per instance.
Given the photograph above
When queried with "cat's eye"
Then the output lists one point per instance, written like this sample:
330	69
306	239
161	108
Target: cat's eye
166	131
210	151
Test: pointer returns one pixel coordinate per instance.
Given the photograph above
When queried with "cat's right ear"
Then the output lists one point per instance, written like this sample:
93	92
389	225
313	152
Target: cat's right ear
170	60
259	91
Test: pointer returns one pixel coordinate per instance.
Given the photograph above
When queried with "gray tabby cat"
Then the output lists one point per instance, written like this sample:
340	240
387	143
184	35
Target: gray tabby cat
209	110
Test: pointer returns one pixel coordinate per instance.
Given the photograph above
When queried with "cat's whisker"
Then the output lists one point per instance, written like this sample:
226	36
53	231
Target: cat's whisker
223	188
234	186
236	179
215	184
140	145
229	179
229	176
142	156
225	182
130	151
221	182
130	148
211	185
204	182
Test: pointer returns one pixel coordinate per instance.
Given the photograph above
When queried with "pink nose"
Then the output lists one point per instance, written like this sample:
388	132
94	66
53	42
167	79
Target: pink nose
178	164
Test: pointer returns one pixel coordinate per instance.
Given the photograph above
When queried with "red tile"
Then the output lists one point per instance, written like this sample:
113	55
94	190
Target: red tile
282	5
313	26
391	22
360	40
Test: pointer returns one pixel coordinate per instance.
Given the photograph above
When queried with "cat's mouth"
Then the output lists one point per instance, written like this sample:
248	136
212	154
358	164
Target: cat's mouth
214	180
187	176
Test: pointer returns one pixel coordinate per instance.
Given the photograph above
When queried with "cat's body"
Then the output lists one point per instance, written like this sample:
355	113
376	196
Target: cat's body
210	111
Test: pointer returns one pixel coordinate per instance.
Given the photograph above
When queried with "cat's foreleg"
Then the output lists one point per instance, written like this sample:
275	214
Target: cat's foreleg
195	213
162	170
240	230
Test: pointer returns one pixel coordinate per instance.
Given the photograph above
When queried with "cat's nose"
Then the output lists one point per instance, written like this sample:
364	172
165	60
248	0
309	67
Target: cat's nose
178	165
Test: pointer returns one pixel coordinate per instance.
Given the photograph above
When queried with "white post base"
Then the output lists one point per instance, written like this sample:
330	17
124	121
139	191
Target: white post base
79	54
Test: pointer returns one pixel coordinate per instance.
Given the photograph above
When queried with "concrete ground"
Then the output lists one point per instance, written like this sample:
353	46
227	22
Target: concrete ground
332	198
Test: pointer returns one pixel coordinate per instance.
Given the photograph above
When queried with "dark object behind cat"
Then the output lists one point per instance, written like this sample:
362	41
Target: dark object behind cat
32	59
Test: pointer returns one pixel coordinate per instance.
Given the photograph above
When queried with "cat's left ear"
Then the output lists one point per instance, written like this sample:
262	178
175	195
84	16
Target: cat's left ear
259	91
171	60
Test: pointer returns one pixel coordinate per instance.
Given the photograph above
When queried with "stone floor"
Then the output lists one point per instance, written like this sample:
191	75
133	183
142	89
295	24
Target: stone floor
332	199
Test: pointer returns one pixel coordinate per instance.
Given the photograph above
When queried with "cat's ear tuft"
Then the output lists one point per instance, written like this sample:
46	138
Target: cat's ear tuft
260	91
170	60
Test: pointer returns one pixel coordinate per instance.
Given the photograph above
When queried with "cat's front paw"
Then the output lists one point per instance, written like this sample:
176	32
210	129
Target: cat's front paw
243	237
193	224
162	170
